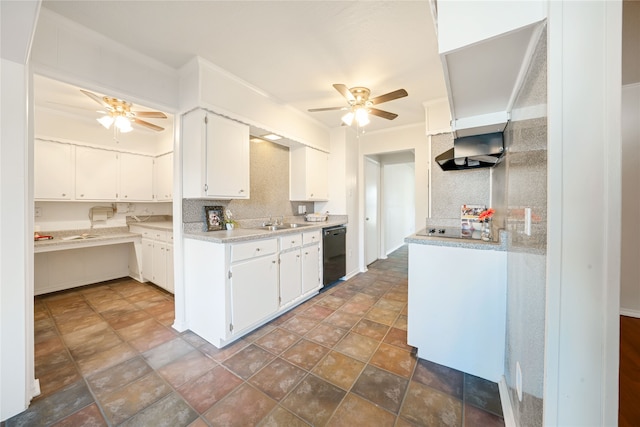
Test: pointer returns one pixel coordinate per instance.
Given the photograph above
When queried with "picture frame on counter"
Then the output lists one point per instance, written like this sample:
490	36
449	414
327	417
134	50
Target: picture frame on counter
214	216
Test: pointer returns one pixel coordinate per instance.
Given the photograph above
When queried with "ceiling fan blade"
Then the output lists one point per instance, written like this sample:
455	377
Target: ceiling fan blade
96	98
400	93
344	91
147	124
313	110
381	113
150	114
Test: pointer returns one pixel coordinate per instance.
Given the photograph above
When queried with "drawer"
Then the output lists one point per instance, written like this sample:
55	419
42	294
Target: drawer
160	235
257	248
170	237
146	233
311	237
290	241
150	233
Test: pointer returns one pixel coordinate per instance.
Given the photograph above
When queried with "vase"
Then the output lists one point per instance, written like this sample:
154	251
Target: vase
486	230
229	226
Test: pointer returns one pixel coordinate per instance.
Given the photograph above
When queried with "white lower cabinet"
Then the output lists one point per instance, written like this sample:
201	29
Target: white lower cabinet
254	291
290	271
156	258
231	289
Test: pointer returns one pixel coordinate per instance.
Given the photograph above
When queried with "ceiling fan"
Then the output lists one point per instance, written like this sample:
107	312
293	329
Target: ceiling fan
360	105
118	112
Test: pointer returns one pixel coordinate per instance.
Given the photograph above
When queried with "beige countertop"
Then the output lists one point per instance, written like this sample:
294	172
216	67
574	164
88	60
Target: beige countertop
499	245
240	234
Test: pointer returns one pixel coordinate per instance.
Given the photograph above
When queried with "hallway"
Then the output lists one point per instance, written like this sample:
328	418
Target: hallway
106	355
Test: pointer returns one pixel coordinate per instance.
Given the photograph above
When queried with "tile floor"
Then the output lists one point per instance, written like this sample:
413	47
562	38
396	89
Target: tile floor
106	355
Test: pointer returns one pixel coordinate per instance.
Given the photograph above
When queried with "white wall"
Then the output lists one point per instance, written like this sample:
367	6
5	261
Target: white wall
17	385
583	272
398	203
630	248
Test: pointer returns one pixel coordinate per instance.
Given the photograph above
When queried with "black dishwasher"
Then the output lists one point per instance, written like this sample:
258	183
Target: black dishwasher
333	254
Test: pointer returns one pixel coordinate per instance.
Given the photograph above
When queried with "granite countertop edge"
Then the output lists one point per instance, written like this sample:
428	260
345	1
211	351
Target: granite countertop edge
249	234
500	245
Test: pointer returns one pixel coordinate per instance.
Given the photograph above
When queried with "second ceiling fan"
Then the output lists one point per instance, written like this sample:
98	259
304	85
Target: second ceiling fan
360	105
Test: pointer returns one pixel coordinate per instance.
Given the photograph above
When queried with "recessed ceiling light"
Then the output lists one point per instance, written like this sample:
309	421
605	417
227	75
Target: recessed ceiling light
272	137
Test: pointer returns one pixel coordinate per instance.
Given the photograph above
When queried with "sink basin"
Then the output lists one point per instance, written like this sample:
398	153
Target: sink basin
282	226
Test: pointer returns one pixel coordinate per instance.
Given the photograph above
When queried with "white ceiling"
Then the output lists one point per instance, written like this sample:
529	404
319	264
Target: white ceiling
293	50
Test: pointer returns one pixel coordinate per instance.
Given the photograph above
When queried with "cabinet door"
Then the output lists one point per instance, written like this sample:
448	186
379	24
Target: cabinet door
227	166
163	177
147	259
308	174
290	271
136	177
159	264
169	262
96	174
53	170
310	268
254	291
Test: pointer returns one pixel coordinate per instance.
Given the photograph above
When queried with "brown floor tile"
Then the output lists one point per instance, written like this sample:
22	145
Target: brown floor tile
357	346
106	359
76	321
221	354
364	299
132	398
56	379
442	378
92	344
107	303
401	322
199	422
260	332
280	417
277	340
58	308
161	308
51	345
118	376
381	387
477	417
393	359
245	406
389	304
429	407
326	334
331	301
248	361
398	338
300	324
305	354
339	369
317	312
171	410
380	315
203	392
314	400
193	338
123	317
343	293
355	308
277	378
482	394
355	411
342	319
186	368
86	417
167	352
371	329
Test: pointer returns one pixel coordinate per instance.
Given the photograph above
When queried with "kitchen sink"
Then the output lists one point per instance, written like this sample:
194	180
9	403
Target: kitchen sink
285	226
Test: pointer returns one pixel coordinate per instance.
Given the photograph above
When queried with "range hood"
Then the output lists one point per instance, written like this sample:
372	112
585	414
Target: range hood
473	152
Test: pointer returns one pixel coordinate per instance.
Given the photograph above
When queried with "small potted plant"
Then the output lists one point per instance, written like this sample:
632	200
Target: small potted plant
229	223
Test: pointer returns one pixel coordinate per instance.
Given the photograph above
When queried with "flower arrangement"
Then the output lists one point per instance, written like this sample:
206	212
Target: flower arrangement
228	219
486	215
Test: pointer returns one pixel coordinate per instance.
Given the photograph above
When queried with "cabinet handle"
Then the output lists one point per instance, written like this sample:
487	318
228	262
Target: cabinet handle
311	194
82	195
293	242
125	196
257	249
273	262
64	194
241	191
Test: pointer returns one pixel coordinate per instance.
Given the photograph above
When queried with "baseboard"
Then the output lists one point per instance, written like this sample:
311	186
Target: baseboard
629	312
35	388
505	400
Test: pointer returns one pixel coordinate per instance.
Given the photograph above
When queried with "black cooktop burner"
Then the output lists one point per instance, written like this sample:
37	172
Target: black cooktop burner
450	232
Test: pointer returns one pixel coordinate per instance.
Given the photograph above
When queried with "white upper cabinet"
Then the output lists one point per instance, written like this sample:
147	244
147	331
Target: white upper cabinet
53	170
485	51
163	177
215	157
96	174
308	178
136	177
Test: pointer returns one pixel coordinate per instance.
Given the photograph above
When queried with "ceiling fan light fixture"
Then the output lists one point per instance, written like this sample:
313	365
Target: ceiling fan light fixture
362	117
347	119
123	124
106	121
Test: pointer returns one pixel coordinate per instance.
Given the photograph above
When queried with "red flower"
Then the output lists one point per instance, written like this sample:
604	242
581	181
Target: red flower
486	214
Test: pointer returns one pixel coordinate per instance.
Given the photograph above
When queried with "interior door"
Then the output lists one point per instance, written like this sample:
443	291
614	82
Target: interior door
372	191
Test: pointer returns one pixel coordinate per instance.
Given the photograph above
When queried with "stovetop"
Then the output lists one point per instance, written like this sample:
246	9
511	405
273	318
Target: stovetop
449	232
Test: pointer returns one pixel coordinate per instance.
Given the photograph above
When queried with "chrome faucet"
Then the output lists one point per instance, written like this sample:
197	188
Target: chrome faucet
279	221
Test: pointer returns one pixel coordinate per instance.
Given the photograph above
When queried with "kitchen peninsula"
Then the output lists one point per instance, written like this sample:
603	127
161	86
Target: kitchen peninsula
237	280
457	302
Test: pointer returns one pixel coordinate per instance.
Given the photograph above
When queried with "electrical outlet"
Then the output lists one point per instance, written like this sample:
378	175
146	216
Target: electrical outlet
527	221
519	381
302	209
37	211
